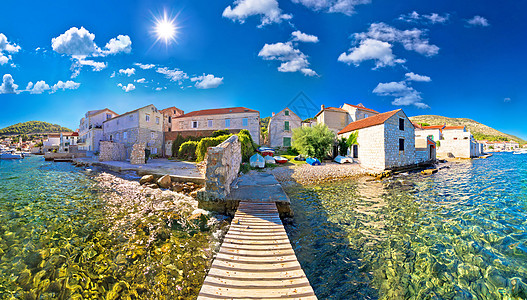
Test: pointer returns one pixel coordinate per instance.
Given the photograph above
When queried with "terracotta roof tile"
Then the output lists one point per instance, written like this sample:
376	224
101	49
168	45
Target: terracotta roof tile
362	107
453	127
218	111
433	127
368	122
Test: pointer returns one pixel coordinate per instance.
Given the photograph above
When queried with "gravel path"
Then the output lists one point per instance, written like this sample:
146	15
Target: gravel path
307	174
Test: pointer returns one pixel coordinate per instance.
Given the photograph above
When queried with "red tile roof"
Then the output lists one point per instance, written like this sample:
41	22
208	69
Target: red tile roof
218	111
368	122
416	125
434	127
170	109
360	106
70	134
453	127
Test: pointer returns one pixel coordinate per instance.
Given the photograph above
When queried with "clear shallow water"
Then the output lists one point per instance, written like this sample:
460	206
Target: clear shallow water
66	233
458	234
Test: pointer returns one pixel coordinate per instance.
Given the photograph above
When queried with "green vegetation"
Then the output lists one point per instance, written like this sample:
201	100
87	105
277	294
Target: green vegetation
220	133
313	141
493	138
187	150
33	127
207	142
264	127
176	144
343	146
247	144
424	124
352	139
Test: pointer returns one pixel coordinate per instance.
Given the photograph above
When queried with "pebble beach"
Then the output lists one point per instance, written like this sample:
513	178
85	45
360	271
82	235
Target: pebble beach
307	174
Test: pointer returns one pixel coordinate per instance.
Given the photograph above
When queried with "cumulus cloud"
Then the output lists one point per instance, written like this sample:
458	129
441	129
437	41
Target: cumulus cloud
346	7
293	60
175	75
128	72
403	93
127	88
371	49
68	85
299	36
142	80
207	81
145	66
117	45
416	77
6	49
268	11
37	88
412	39
433	18
8	85
478	21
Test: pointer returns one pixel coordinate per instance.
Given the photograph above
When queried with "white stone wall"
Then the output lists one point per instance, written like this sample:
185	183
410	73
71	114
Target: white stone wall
334	120
277	130
435	133
458	148
371	147
395	158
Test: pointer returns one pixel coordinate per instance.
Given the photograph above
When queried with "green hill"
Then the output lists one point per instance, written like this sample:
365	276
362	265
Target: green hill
478	130
33	127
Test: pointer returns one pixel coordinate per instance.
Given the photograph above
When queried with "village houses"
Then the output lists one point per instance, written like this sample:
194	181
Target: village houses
337	118
452	141
168	115
90	128
281	126
68	141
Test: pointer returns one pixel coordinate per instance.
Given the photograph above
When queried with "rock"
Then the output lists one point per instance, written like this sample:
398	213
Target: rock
153	186
200	218
429	171
146	179
177	187
165	182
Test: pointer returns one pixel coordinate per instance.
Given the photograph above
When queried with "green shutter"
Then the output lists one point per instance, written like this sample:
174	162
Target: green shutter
286	113
287	142
286	125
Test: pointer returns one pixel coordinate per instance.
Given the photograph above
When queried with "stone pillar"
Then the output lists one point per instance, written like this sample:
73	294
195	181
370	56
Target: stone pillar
137	157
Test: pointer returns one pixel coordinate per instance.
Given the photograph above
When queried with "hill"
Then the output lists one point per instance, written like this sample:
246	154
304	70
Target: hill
478	130
33	127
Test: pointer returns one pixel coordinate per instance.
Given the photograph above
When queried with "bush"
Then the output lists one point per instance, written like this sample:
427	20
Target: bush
247	144
205	143
316	141
343	146
291	151
177	143
221	132
187	150
352	139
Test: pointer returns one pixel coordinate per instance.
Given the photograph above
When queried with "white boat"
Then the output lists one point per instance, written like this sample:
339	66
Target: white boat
343	159
269	160
10	155
257	161
522	151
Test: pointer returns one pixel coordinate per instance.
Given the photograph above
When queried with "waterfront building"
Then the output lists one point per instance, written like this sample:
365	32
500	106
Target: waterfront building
281	127
67	140
141	126
51	143
336	118
452	141
205	122
385	141
90	128
168	115
425	149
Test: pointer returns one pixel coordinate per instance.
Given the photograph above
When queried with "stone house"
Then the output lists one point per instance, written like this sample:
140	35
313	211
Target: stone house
51	143
281	127
385	141
90	128
205	122
336	118
143	126
451	140
169	114
425	149
68	139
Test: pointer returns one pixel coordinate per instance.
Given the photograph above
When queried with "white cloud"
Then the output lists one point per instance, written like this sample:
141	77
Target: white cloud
96	65
161	88
268	11
68	85
404	95
207	81
346	7
128	72
117	45
113	74
478	21
433	18
37	88
75	42
8	85
299	36
142	80
416	77
293	60
127	88
370	49
6	49
173	74
145	66
507	100
412	39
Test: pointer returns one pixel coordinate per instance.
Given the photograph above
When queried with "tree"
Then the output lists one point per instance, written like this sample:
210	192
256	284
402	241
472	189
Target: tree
343	146
313	141
352	139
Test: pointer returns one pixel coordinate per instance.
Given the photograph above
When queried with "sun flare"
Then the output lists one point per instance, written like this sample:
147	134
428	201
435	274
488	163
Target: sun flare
166	29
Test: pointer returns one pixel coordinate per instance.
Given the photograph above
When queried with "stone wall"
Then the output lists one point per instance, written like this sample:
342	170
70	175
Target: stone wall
395	158
372	148
137	156
111	151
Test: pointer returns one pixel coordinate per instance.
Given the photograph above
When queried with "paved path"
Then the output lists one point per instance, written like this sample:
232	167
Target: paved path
258	186
256	260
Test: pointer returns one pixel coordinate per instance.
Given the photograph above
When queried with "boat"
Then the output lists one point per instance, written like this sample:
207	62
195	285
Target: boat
313	161
269	160
280	159
11	155
522	151
266	151
299	158
257	161
343	159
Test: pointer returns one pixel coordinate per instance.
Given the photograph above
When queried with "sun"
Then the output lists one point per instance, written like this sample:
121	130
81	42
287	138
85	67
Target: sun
165	29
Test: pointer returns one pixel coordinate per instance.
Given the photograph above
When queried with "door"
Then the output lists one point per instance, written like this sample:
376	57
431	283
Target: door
355	151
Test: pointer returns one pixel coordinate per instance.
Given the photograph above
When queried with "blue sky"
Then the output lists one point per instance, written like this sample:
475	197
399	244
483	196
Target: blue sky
450	58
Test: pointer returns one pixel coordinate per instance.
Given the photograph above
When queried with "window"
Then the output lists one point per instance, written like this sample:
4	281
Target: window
152	135
401	124
401	144
125	136
286	113
131	117
365	116
245	122
181	124
169	119
157	120
194	124
227	123
117	137
117	121
287	142
286	126
209	123
169	129
111	137
147	118
108	116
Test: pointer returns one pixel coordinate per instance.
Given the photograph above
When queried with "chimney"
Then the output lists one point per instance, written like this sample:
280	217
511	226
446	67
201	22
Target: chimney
273	114
322	107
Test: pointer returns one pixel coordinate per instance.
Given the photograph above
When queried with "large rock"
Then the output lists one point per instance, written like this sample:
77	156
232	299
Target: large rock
165	182
146	179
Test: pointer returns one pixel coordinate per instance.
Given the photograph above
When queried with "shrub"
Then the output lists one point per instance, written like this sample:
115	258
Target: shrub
314	141
291	151
176	144
343	146
247	144
205	143
352	139
221	132
187	150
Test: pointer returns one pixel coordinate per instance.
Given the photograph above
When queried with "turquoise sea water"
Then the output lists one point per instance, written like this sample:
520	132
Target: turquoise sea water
458	234
68	233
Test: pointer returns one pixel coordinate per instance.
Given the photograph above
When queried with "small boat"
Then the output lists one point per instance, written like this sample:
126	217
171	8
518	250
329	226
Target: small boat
343	159
313	161
257	161
269	160
522	151
280	160
10	155
266	151
299	158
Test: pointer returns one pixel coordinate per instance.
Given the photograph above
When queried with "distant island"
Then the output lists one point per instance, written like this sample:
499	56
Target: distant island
478	130
32	127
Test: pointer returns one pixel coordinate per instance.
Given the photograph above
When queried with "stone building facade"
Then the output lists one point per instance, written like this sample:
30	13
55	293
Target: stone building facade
454	141
143	126
281	126
336	118
90	128
168	115
385	141
203	122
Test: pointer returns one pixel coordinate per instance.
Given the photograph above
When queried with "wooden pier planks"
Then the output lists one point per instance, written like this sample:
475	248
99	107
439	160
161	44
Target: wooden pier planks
256	260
